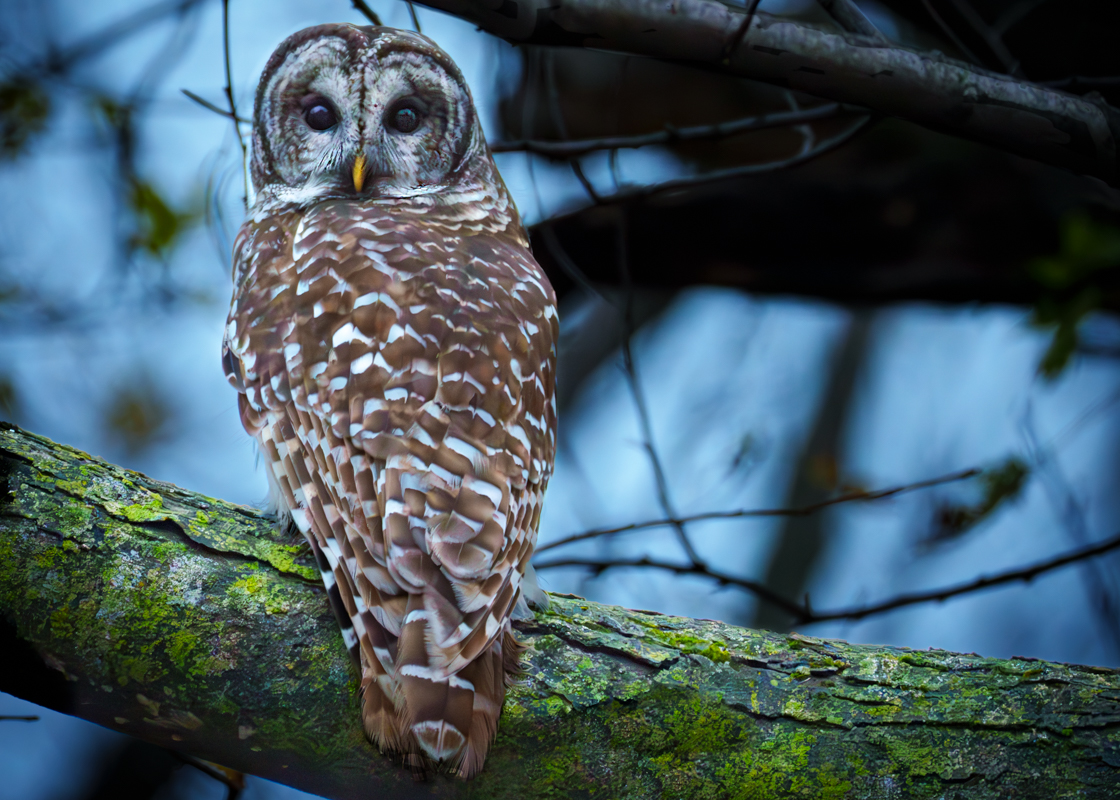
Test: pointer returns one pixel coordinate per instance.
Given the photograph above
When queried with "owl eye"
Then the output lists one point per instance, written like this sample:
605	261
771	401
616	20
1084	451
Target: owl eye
320	117
405	118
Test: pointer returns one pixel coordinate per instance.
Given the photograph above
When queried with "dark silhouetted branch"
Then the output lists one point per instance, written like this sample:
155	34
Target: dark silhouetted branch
114	33
928	88
804	511
690	182
412	14
363	8
804	614
850	18
210	106
991	36
671	135
229	97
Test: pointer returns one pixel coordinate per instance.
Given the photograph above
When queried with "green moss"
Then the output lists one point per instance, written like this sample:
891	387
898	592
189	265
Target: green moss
261	589
147	506
614	704
686	643
75	488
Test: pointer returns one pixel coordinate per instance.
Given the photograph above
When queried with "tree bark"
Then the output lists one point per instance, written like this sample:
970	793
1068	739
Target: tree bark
928	88
187	621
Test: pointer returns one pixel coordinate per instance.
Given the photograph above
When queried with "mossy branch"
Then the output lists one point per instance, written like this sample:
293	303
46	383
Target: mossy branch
187	622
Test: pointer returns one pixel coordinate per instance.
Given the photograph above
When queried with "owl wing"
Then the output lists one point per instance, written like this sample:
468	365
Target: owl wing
401	382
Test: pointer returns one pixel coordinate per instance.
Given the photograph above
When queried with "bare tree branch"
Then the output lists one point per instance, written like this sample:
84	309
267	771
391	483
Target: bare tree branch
804	614
630	365
693	181
671	135
992	38
95	43
803	511
232	103
1075	133
412	14
210	106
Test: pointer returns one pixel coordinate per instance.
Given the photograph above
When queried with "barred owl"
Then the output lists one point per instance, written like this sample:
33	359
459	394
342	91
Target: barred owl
394	345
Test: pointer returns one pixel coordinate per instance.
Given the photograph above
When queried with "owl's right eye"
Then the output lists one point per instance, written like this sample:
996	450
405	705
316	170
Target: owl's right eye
320	117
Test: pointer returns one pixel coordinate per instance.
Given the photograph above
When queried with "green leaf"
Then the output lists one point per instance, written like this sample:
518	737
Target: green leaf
1087	246
1072	281
999	485
9	399
137	415
24	109
159	226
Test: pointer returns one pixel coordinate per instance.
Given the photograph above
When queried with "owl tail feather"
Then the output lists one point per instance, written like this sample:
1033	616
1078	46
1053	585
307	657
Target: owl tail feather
438	720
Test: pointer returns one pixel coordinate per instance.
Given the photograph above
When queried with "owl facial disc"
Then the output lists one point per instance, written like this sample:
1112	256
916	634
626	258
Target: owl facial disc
344	110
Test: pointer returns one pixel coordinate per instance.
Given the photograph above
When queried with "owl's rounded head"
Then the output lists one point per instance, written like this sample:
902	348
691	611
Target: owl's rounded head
363	113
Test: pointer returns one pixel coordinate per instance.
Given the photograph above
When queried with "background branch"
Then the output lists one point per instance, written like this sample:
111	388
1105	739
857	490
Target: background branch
801	511
671	135
804	613
927	88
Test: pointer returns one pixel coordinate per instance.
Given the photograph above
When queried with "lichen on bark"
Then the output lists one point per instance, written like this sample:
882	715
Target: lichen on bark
191	623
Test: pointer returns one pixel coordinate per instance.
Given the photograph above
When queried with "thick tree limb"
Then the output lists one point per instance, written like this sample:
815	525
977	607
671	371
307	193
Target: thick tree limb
1075	133
184	621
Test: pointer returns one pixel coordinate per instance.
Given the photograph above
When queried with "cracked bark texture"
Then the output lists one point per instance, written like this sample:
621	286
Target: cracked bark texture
186	621
1076	133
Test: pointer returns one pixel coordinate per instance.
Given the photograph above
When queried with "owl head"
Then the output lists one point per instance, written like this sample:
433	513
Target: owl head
364	113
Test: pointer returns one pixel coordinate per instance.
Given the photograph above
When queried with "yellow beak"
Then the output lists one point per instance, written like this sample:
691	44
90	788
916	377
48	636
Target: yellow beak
359	172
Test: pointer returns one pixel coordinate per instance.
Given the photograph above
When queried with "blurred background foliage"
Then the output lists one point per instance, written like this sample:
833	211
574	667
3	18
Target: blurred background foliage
901	307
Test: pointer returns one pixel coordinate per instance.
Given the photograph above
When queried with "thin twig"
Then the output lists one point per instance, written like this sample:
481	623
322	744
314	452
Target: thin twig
1014	15
588	186
1072	515
210	106
111	34
948	31
733	43
557	113
808	135
631	367
229	97
363	8
578	147
802	511
1027	573
848	16
16	718
412	13
990	36
722	578
693	181
804	614
569	267
1075	82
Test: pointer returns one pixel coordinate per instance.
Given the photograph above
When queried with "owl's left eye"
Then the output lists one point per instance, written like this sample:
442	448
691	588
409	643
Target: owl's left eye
320	117
405	118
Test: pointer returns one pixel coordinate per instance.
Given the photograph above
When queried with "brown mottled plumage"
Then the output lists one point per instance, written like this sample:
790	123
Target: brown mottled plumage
393	343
